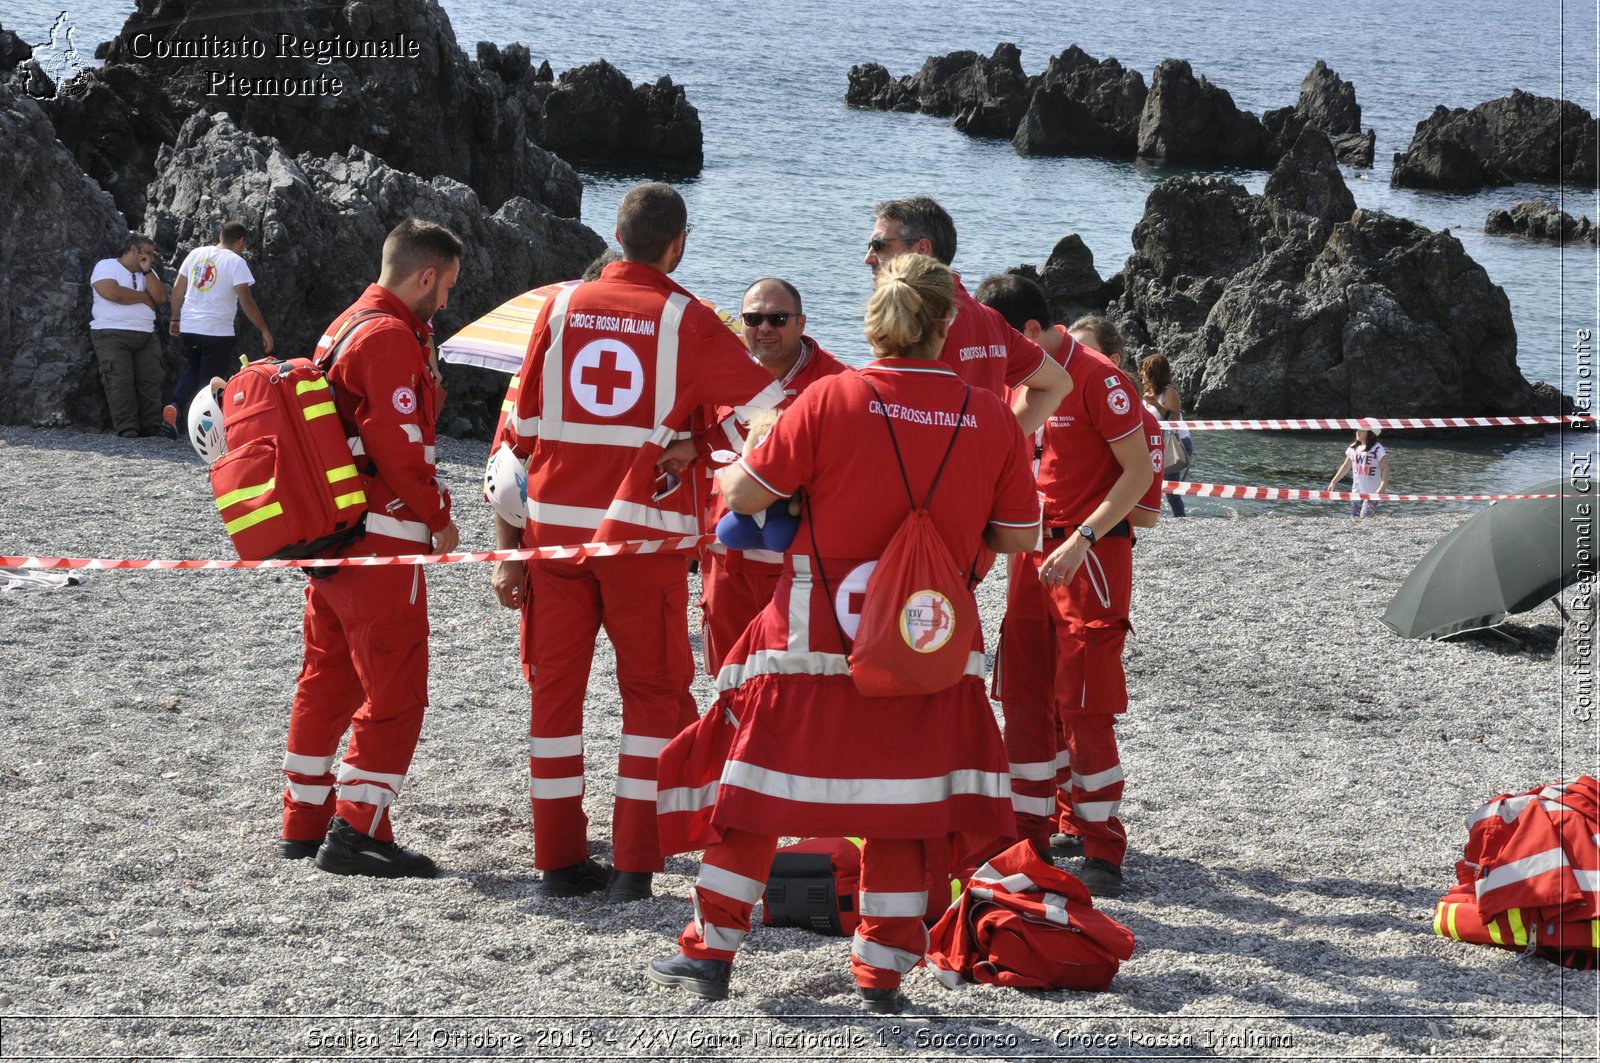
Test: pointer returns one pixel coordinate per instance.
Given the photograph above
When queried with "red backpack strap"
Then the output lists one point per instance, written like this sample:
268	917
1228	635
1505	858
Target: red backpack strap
347	331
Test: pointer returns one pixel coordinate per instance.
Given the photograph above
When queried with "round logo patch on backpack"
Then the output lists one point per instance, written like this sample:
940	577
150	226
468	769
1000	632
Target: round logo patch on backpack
927	621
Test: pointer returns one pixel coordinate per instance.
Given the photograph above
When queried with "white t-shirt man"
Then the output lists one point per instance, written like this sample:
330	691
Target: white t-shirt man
210	298
132	317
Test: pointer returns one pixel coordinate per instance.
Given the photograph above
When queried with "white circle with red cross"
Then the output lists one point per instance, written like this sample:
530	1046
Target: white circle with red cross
848	599
606	377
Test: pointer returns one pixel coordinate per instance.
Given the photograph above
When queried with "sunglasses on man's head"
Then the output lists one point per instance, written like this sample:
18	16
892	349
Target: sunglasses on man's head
775	320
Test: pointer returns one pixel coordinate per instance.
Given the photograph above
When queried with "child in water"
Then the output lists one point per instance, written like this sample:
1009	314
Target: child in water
1368	465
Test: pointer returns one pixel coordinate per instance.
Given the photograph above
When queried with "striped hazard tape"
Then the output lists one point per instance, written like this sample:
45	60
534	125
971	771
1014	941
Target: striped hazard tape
1290	494
552	553
1331	423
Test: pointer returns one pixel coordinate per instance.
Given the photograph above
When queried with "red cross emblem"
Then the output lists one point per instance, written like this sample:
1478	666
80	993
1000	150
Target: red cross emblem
851	596
607	378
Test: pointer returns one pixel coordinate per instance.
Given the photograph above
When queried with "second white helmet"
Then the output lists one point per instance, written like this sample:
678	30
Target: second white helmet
205	426
505	486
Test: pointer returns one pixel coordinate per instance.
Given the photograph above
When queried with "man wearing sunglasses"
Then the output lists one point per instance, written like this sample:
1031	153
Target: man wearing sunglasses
738	584
982	349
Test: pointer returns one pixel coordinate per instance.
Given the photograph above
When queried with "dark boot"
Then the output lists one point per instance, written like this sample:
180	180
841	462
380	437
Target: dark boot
706	979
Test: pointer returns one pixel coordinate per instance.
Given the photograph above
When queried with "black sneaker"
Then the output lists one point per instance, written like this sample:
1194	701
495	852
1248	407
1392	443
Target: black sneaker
575	881
1066	845
346	851
1103	878
626	887
706	979
882	1001
290	849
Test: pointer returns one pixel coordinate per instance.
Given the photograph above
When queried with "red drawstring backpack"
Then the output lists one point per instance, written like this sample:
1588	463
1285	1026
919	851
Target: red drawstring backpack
1024	923
918	616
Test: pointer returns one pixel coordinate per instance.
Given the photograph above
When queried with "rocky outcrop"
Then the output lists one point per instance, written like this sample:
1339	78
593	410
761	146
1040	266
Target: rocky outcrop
55	227
1327	102
430	114
115	120
1539	219
1288	304
594	116
321	221
1191	121
1521	137
19	69
1083	106
985	95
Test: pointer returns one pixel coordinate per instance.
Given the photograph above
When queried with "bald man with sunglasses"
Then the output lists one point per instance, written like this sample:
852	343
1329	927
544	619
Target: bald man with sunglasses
738	584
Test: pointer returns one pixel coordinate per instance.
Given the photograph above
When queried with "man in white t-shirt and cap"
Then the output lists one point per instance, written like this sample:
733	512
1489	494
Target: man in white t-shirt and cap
122	329
214	282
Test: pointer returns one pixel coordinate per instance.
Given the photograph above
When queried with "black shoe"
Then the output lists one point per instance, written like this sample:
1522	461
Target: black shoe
706	979
128	433
1103	878
290	849
882	1001
576	880
346	851
626	887
1066	845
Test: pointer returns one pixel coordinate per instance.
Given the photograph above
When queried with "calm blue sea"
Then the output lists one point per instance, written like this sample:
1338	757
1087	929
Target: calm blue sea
791	173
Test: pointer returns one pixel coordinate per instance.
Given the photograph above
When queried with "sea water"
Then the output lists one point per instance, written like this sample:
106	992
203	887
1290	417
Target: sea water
791	173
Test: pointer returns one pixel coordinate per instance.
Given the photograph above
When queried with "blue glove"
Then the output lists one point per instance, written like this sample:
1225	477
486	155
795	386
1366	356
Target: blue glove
739	532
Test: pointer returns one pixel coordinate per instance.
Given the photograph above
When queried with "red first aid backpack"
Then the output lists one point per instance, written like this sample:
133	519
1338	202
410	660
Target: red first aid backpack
918	616
288	486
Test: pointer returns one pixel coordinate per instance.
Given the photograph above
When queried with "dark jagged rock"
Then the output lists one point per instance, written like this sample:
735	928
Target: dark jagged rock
1189	120
1539	219
986	96
433	114
1520	137
594	115
55	227
1327	102
115	121
1083	106
1072	284
13	50
1270	306
319	226
19	69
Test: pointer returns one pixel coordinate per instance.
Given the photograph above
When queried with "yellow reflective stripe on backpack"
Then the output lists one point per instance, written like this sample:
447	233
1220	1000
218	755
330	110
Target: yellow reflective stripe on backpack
1438	919
245	493
1519	932
343	472
250	520
1494	933
303	386
321	409
355	498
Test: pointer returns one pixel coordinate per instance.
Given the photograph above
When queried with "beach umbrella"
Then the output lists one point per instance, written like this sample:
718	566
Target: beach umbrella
499	339
1513	556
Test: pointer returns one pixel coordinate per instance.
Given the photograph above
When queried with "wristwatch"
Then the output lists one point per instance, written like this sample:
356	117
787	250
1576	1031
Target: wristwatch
1087	532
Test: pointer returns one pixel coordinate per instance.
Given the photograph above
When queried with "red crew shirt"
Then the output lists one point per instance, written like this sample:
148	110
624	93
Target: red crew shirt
1077	469
984	350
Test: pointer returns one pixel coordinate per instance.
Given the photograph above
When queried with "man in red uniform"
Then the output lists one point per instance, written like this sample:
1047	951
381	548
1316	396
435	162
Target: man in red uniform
1059	666
615	369
982	348
738	584
366	629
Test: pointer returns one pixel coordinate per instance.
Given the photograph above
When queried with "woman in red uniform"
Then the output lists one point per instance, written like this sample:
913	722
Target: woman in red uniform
811	755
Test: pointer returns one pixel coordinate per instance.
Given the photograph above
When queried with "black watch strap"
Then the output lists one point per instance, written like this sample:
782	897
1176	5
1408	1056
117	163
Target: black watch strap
1087	532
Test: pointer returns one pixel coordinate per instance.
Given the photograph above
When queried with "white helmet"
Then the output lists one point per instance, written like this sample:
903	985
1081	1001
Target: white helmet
505	486
205	426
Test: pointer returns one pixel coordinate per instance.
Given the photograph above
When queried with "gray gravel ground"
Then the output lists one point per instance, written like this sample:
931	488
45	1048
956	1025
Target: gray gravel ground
1299	780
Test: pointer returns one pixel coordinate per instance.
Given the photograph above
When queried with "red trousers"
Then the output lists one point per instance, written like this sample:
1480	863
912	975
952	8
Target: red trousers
642	602
890	940
733	591
1060	682
365	671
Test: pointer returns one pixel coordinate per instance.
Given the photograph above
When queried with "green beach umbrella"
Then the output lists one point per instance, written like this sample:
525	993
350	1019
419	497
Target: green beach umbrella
1509	558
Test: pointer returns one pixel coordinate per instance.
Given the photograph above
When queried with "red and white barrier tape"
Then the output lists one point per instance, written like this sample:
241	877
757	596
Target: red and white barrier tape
1289	494
1330	423
632	546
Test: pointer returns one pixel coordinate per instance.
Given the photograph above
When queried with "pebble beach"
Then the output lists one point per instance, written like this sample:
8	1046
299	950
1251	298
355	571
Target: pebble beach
1299	781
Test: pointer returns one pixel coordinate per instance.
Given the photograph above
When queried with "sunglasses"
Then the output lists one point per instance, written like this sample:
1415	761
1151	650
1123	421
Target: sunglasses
775	320
878	243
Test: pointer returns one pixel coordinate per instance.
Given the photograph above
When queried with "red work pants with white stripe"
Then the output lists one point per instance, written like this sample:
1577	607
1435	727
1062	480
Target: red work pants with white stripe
890	940
642	602
1061	684
365	670
732	593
